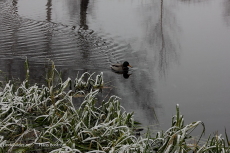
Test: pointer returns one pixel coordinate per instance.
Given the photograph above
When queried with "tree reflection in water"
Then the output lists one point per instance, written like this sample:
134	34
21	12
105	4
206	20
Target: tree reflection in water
227	12
160	38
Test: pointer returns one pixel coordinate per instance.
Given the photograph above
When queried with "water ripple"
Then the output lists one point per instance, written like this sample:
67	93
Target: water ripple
65	44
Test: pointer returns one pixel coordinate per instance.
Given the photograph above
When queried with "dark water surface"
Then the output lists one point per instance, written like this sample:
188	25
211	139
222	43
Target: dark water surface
179	50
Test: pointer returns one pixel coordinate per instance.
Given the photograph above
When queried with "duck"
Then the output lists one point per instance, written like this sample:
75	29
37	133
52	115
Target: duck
120	68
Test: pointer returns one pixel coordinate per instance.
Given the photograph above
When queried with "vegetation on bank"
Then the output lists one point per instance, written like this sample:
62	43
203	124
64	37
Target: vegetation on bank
43	119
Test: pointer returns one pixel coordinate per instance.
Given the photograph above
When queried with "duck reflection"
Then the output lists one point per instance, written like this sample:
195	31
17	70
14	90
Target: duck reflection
126	74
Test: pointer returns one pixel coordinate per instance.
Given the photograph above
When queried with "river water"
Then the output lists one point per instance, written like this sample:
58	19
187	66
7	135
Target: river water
179	50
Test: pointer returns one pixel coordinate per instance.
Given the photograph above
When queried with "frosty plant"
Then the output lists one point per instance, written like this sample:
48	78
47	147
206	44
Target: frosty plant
43	118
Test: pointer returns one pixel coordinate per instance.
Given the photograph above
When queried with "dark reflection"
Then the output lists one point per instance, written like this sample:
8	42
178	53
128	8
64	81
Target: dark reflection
84	47
162	53
48	9
49	31
15	29
83	14
126	75
15	3
227	12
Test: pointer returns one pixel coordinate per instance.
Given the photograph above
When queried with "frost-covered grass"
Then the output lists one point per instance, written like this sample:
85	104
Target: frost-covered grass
44	119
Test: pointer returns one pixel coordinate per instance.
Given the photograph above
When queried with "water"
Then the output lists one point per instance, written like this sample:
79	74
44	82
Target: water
179	51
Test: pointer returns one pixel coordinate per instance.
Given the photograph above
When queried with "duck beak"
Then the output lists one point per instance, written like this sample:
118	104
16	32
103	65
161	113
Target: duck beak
129	65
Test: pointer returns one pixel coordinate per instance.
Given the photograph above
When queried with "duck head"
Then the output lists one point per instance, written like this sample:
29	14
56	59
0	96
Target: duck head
126	64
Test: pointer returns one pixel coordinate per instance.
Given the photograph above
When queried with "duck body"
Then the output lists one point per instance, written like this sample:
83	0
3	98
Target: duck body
120	68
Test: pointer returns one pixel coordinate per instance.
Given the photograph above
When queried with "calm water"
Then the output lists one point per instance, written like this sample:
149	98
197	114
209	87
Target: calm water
179	50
